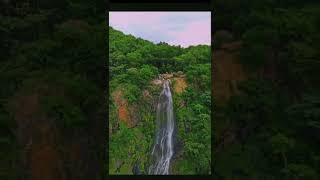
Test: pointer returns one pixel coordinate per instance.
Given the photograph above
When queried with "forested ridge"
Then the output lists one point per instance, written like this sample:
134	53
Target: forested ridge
134	64
53	80
269	126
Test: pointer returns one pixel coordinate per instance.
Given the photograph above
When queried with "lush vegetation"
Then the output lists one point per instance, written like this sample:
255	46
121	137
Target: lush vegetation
133	64
275	117
52	76
56	50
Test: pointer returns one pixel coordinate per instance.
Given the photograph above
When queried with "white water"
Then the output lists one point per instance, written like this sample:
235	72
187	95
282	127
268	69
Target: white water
162	150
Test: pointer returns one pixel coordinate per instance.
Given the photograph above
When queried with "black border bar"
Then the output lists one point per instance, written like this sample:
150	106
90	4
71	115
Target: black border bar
160	7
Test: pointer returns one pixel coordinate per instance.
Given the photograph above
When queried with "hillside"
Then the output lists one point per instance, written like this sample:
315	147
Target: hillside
266	89
135	68
52	76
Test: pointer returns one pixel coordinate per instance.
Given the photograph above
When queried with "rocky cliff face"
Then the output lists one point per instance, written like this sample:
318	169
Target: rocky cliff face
227	72
47	152
127	113
179	82
38	137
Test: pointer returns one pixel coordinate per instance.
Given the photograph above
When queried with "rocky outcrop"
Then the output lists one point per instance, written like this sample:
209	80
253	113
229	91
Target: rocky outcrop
125	113
227	72
180	84
37	135
49	152
167	76
179	78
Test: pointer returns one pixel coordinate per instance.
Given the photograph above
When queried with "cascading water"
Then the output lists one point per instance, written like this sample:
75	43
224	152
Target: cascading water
162	150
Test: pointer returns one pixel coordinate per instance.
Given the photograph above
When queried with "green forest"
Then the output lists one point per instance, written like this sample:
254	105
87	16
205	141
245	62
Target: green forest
133	64
270	126
53	95
53	83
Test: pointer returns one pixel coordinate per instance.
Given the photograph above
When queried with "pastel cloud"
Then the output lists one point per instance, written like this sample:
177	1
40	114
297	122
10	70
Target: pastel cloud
176	28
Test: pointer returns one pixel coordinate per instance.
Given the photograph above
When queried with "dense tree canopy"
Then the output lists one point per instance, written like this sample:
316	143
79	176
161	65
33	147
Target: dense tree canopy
133	63
274	115
52	66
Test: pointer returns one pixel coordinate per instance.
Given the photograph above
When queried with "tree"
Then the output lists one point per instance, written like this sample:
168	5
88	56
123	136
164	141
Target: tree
281	145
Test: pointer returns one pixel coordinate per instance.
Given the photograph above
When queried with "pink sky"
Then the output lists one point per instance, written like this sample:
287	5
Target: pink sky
175	28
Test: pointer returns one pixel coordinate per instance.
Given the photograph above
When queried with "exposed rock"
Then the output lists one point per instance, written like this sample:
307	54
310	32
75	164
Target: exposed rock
45	164
180	84
180	81
118	165
167	76
227	73
136	168
156	82
146	94
125	113
37	134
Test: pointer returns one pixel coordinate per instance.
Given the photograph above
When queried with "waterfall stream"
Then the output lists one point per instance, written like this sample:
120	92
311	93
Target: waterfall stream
162	150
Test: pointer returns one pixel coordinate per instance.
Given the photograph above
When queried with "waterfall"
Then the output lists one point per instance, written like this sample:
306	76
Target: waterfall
162	150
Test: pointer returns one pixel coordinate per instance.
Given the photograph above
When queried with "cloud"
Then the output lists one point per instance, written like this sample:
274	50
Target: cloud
198	32
177	28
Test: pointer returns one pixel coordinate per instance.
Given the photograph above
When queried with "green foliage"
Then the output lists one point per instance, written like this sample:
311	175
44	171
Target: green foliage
252	53
200	76
256	93
131	93
281	143
134	63
194	124
66	114
194	121
53	49
127	145
185	167
132	52
304	116
300	171
277	118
